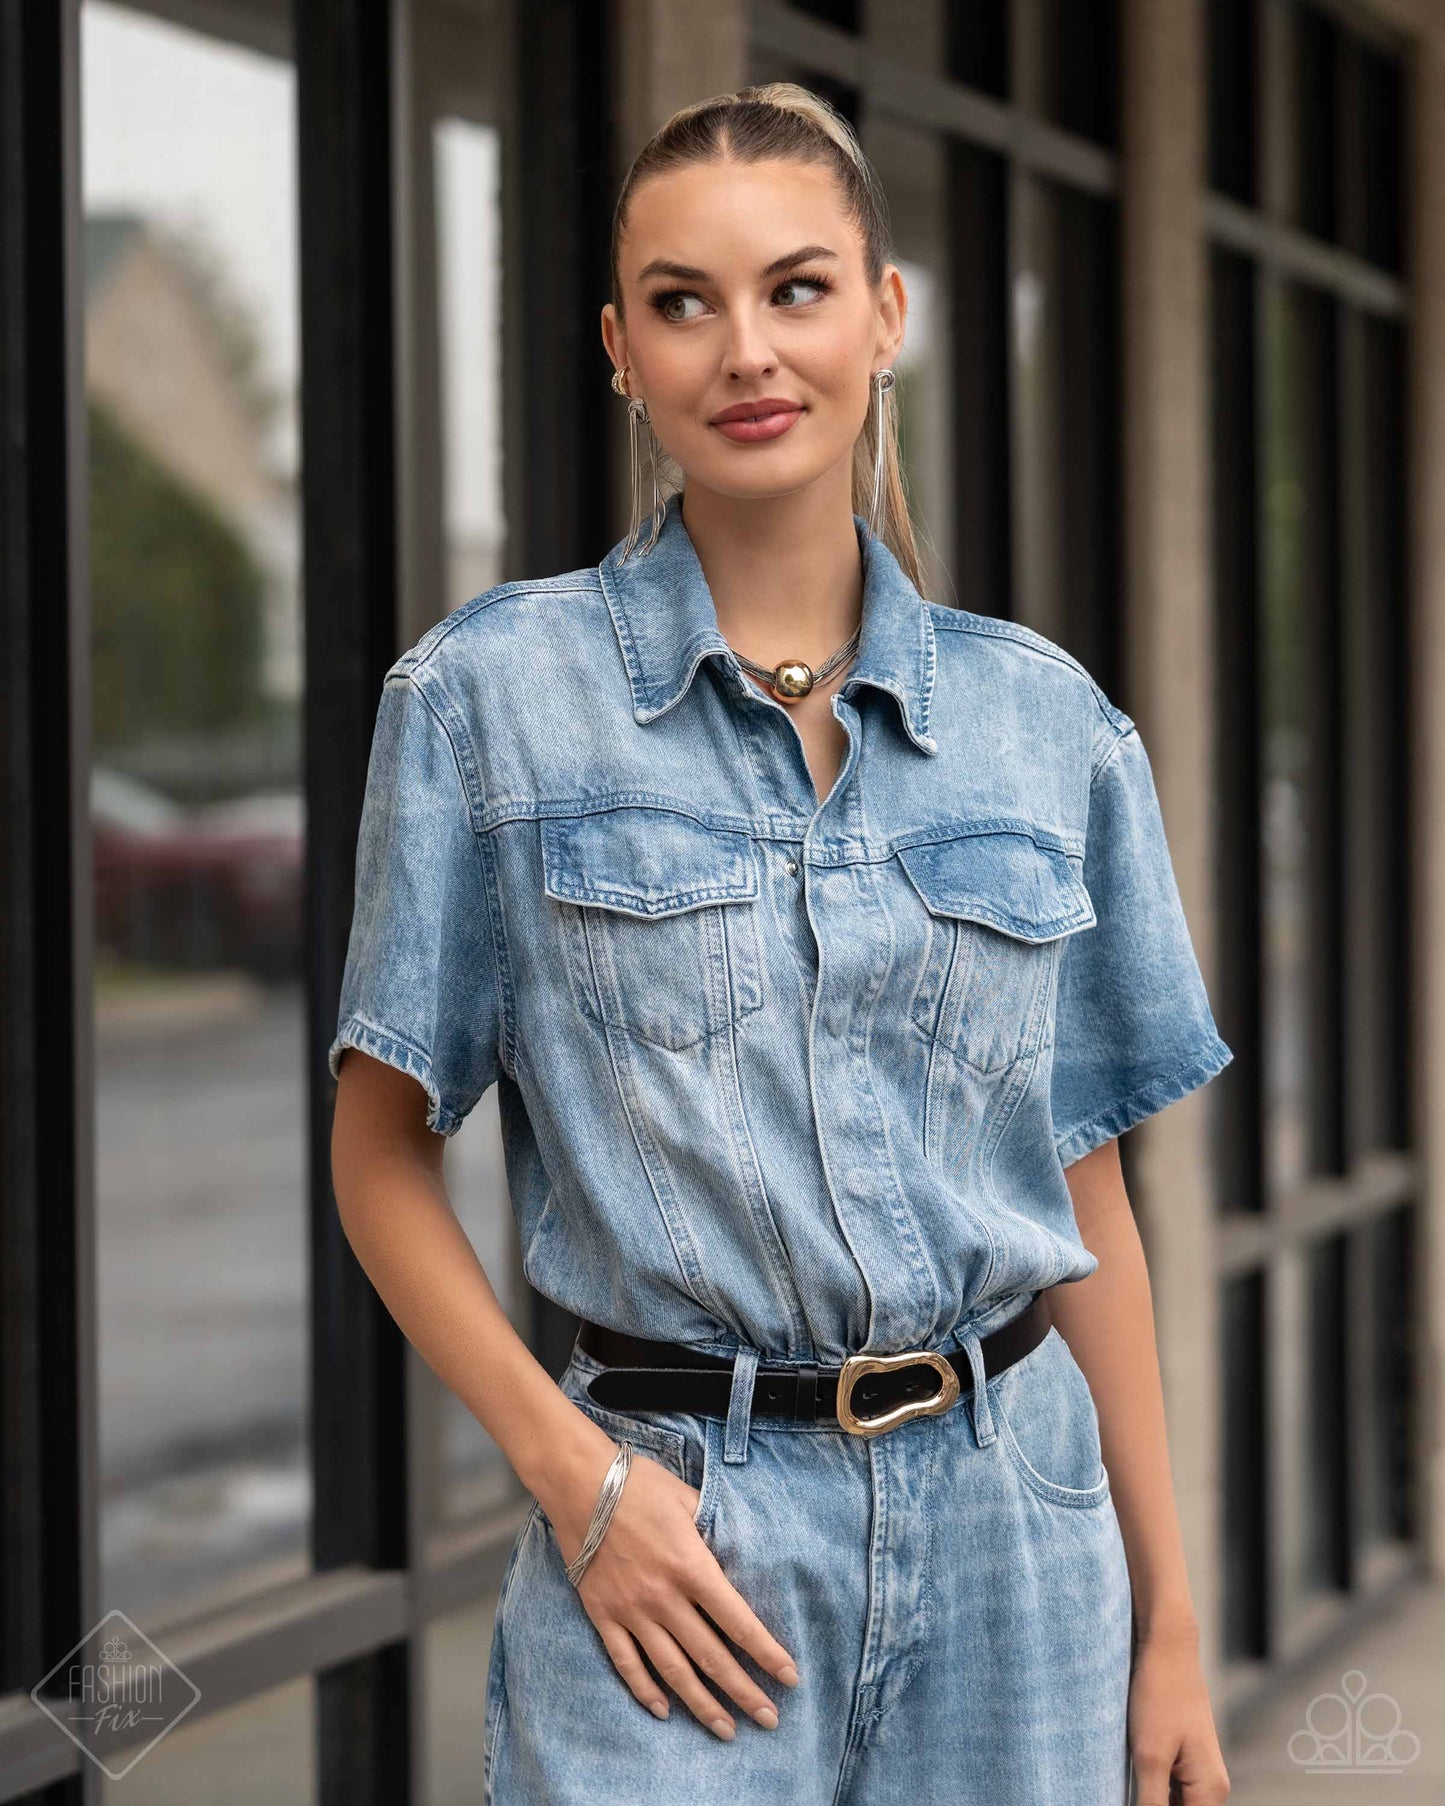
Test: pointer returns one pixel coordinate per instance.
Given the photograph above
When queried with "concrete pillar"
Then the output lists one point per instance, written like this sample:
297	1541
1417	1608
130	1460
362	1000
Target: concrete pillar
1168	641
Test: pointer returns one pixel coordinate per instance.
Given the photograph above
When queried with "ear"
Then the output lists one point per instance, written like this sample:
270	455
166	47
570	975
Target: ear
892	313
614	336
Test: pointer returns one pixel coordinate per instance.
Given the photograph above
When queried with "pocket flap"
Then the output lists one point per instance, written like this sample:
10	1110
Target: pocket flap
645	862
1004	879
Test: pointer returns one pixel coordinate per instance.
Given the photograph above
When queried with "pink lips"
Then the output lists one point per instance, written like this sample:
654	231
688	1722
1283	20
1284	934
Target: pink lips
746	423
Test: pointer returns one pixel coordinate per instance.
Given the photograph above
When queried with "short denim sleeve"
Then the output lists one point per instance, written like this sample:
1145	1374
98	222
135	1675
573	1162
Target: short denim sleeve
419	989
1133	1028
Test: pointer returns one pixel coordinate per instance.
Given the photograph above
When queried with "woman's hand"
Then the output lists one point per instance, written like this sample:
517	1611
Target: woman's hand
644	1586
1171	1727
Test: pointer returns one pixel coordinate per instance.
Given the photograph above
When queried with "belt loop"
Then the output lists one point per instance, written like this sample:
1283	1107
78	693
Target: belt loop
740	1404
983	1429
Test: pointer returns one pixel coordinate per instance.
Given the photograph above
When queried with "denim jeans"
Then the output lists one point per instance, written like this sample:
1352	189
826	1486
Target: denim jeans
954	1592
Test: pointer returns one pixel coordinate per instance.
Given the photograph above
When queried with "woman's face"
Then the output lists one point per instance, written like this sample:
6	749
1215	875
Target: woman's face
744	283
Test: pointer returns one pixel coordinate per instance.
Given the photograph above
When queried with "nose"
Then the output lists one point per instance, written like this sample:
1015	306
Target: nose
748	355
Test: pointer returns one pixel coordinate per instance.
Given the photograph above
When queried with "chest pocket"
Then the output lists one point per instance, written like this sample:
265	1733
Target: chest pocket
1000	904
658	916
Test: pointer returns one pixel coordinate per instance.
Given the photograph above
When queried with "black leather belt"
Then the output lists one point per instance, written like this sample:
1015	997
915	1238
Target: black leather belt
887	1389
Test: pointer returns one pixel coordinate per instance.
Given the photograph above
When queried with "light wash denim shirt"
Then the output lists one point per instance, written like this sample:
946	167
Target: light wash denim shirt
772	1071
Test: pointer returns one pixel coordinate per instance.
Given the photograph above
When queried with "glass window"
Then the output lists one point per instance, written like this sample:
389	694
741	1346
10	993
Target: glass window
1232	98
197	809
1312	61
1079	64
978	46
1065	422
1310	593
467	165
1372	104
1244	1399
1299	627
842	13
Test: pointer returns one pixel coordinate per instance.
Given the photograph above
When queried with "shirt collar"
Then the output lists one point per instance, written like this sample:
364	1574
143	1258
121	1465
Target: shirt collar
666	624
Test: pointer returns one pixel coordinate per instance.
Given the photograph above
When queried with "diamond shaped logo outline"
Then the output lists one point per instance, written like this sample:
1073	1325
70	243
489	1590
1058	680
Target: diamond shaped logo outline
116	1658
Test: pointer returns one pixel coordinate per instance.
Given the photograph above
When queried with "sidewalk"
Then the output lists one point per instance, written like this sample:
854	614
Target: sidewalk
1402	1661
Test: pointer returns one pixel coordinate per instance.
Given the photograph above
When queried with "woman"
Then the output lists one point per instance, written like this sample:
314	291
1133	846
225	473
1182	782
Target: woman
810	932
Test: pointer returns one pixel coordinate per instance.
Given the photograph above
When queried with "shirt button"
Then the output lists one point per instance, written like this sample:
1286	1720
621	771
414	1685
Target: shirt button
790	866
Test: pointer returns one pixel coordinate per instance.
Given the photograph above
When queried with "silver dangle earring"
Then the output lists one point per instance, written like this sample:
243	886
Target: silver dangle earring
637	415
883	381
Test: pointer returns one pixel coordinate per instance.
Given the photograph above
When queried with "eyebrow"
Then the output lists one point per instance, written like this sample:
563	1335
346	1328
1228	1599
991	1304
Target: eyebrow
685	272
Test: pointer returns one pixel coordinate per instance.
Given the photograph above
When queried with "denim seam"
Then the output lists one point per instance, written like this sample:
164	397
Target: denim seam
392	1049
451	723
566	584
501	959
1211	1058
772	827
1112	749
1053	1491
900	1210
755	1187
962	620
1077	1498
622	1052
971	909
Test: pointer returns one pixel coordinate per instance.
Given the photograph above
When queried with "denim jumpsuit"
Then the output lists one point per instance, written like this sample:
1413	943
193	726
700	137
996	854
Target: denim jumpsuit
788	1079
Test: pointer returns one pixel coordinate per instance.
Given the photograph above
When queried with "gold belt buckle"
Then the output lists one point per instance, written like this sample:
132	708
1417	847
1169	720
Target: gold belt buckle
857	1365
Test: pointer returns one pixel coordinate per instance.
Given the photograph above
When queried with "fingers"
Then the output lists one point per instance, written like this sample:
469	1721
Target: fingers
617	1641
671	1662
1159	1785
737	1620
1154	1769
681	1642
716	1661
647	1600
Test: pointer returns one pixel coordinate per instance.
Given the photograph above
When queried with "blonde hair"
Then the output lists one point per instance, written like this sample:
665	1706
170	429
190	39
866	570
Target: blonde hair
782	120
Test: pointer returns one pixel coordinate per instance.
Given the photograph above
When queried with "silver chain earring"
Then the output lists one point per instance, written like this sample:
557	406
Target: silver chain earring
637	415
883	381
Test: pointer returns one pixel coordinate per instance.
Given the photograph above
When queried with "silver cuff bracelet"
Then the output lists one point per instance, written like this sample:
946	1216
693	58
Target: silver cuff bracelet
608	1495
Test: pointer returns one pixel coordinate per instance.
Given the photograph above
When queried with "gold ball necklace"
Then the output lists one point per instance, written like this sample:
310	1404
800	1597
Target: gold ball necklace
794	677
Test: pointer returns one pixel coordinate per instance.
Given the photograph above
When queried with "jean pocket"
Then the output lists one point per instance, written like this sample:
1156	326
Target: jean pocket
704	1464
665	1442
657	919
999	903
1048	1425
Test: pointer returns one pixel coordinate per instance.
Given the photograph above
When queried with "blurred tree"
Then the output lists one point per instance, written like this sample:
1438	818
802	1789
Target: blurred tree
176	596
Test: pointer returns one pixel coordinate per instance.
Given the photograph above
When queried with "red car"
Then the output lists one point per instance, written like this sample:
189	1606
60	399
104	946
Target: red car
198	888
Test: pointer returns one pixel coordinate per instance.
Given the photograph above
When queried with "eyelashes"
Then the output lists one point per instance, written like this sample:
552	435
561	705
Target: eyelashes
664	297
